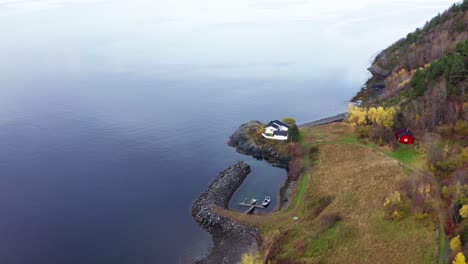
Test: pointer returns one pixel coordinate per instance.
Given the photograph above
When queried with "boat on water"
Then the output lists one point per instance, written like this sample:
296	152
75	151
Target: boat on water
253	201
266	201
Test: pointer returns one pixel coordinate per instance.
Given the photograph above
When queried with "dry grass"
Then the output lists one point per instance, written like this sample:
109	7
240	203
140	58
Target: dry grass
359	179
327	133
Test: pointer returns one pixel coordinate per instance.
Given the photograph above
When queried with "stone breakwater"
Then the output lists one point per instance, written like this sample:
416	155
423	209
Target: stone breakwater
245	145
230	238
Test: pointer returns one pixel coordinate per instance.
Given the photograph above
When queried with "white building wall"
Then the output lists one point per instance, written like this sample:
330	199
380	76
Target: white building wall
276	137
270	130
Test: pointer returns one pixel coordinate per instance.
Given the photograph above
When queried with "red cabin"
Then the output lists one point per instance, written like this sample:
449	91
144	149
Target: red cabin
404	136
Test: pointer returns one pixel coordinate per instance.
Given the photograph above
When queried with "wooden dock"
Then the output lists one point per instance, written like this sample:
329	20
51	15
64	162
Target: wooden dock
246	203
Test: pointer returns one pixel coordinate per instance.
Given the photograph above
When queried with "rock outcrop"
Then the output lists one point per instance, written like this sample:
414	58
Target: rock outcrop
231	239
244	144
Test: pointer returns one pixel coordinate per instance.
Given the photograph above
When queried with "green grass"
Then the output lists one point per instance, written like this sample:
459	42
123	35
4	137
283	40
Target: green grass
442	246
324	240
300	192
349	140
405	154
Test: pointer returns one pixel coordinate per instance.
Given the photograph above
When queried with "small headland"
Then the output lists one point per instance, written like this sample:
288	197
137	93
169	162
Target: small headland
247	140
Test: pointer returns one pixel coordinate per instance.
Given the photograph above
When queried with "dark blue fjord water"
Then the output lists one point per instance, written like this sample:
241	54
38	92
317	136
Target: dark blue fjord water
114	115
108	174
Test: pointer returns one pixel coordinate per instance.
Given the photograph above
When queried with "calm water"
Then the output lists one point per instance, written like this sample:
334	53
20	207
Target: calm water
114	115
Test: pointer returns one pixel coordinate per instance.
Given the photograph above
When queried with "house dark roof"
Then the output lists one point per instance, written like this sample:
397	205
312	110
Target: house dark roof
280	123
274	125
280	133
404	133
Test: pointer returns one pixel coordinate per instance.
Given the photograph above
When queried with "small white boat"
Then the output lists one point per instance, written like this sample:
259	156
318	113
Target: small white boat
253	201
267	201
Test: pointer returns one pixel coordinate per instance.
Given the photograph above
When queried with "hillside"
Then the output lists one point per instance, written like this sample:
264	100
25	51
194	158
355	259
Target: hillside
424	73
420	83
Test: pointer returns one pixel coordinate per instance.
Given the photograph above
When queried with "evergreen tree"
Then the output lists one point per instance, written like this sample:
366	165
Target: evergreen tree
293	133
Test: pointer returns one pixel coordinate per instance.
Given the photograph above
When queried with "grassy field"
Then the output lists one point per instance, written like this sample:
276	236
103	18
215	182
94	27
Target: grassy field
350	180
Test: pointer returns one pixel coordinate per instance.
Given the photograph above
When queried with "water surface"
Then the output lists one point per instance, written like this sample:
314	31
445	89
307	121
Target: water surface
114	115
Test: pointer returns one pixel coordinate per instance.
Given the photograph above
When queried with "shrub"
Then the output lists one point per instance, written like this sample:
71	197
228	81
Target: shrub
464	211
394	206
329	220
461	127
293	133
250	258
296	165
313	152
289	120
452	163
381	135
363	131
320	206
445	192
295	168
295	150
459	259
463	230
461	193
455	243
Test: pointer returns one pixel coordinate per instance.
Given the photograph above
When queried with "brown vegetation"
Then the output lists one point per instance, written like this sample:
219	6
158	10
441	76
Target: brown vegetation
296	165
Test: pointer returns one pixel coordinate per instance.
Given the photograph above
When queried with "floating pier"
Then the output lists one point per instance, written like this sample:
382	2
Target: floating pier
247	203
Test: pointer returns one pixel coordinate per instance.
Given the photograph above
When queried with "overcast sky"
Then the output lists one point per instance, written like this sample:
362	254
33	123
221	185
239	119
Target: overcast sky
182	35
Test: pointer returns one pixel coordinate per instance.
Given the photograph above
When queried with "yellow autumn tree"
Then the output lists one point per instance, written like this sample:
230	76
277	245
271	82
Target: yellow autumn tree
382	116
459	259
393	205
464	211
357	115
372	113
249	258
388	118
455	243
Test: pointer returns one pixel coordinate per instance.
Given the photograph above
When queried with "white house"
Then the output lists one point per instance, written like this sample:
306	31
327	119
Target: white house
276	130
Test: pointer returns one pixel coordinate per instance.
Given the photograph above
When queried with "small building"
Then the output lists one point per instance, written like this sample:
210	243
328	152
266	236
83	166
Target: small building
404	136
276	130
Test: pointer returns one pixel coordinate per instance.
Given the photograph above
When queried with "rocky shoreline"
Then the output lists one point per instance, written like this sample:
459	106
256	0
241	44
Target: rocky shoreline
245	145
230	238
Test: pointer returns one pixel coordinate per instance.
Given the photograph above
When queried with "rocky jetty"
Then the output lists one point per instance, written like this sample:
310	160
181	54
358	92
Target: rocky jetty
244	144
230	238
